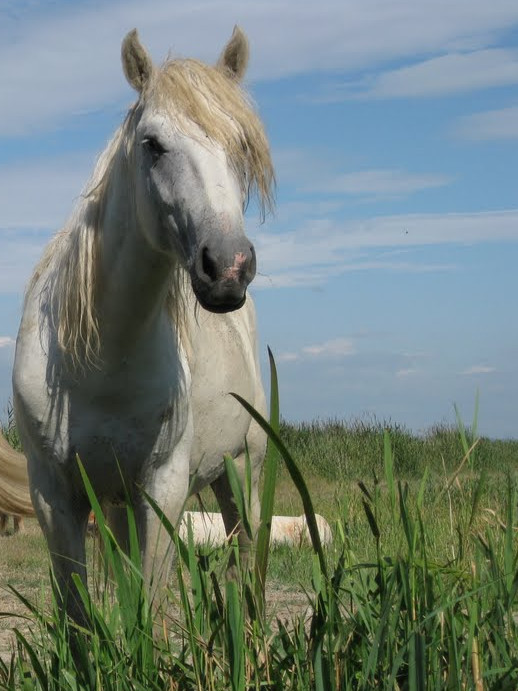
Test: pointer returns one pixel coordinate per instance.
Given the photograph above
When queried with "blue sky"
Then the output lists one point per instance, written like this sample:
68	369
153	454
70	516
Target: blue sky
387	277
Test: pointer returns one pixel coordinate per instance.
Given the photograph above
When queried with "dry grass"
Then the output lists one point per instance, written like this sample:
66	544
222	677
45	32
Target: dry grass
24	565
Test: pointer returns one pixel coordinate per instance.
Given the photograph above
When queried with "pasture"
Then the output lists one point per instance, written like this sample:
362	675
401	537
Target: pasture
418	590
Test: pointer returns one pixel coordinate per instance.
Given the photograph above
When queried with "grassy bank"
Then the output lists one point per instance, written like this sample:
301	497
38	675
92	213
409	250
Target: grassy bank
418	591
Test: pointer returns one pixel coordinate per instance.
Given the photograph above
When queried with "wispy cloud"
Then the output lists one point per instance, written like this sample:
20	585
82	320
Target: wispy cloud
320	171
479	369
320	249
491	124
72	76
335	348
287	357
380	183
446	74
7	342
301	166
408	372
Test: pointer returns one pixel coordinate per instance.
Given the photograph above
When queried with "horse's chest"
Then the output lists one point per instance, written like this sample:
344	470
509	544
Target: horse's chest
224	363
96	432
123	440
129	418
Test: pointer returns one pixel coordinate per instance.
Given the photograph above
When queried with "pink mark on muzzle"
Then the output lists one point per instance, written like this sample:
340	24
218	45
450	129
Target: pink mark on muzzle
233	272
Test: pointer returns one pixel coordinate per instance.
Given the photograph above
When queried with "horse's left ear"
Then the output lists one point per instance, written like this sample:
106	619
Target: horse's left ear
136	61
234	58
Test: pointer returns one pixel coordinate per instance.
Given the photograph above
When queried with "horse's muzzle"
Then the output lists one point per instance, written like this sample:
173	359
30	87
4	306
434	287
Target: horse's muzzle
222	273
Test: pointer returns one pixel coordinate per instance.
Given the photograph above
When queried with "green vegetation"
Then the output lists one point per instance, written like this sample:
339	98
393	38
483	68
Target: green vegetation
338	450
419	590
9	430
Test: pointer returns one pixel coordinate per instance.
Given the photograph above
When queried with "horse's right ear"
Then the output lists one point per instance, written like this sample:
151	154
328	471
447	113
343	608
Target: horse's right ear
136	62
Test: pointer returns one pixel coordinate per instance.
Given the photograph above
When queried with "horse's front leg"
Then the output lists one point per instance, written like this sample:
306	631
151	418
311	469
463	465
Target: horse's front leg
230	512
63	517
168	486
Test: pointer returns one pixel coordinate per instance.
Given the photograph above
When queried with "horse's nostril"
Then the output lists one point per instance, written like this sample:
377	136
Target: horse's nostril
208	265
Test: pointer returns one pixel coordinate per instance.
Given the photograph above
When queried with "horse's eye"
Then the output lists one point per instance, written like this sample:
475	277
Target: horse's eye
154	147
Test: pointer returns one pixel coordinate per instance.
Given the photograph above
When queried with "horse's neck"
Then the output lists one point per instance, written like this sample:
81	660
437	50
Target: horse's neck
135	279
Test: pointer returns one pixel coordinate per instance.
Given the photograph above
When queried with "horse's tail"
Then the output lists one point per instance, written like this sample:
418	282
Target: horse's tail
14	481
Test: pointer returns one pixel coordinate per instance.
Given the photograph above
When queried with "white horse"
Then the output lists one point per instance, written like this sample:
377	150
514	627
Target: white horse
136	323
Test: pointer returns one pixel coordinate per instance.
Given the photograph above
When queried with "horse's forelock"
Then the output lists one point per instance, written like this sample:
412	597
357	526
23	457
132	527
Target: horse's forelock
193	92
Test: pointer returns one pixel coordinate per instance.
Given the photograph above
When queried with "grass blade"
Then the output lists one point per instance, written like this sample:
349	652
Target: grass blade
268	495
295	475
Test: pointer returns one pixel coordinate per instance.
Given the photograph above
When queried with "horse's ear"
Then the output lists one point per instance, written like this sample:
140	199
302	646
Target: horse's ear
234	58
136	62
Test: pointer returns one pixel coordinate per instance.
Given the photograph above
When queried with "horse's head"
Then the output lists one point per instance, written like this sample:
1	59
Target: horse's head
199	149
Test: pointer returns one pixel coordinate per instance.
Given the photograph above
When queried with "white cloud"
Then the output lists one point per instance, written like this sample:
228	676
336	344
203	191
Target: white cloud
7	342
287	357
433	229
55	71
318	275
409	372
337	347
479	369
318	171
321	249
447	74
298	166
381	183
491	124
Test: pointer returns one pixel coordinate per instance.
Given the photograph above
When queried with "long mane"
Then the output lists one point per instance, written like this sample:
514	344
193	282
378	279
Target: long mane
68	274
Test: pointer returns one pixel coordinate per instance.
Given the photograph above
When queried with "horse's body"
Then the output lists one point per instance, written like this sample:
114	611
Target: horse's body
129	342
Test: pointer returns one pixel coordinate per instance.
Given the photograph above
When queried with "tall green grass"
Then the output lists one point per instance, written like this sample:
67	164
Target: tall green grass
345	450
396	613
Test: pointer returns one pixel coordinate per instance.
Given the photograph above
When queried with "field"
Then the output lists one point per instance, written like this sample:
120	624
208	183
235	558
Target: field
418	590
